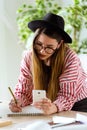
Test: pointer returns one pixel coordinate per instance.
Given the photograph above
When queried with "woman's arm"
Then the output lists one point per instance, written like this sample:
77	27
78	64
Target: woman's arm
23	90
71	82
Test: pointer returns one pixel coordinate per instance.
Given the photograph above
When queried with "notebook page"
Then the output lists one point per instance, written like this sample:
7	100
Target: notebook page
27	111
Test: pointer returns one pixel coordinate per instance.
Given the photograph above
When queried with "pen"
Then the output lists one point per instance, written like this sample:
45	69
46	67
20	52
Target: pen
62	124
12	94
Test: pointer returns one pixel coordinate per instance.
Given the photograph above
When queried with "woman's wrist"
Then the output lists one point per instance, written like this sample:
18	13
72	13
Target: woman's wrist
57	109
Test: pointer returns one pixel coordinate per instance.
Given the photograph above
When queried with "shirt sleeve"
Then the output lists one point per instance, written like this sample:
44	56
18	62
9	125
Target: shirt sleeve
69	86
23	90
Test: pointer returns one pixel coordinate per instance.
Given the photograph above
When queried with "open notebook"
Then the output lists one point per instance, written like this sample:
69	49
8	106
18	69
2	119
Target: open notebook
27	111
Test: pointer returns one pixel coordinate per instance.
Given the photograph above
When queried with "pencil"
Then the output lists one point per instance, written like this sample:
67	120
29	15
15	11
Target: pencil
12	95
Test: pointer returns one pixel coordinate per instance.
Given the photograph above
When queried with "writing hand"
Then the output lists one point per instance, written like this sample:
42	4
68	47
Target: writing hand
15	107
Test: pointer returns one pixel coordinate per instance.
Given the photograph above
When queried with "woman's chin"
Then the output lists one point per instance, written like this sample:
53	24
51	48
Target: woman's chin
42	58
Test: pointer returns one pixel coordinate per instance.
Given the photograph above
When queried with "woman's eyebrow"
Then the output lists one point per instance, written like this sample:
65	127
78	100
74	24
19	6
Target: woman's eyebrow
49	45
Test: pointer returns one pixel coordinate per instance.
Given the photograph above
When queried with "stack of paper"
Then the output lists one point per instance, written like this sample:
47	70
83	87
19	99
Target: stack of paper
81	118
70	123
67	120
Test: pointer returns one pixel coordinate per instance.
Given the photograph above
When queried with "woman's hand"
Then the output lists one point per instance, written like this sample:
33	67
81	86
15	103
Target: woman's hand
46	105
15	107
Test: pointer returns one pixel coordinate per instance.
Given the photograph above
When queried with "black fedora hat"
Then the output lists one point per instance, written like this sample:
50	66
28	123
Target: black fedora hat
52	21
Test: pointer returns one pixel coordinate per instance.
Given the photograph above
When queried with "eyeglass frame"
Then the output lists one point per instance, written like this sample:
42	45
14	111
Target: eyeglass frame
42	47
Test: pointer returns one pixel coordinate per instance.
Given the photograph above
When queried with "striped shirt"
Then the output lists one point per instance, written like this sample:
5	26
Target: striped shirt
73	85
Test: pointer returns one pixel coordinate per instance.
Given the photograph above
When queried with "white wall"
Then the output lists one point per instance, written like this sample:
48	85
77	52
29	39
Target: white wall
10	50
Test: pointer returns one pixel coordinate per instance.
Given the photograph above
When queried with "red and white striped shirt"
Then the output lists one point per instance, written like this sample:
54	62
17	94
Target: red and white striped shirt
73	85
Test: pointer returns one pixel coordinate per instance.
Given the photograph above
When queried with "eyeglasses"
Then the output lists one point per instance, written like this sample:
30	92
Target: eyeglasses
39	47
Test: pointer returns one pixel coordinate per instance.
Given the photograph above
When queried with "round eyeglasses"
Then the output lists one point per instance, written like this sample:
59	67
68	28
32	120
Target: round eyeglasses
39	47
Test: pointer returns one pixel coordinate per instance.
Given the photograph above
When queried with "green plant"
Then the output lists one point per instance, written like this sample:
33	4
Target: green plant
76	20
75	17
28	13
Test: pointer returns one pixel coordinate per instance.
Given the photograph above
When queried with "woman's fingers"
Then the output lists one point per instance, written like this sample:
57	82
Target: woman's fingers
47	106
15	107
45	103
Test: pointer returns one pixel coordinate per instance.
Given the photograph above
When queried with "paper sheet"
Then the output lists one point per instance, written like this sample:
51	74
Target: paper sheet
26	111
67	120
82	118
60	119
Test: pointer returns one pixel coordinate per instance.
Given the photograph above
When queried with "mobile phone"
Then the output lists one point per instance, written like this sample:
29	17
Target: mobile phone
38	95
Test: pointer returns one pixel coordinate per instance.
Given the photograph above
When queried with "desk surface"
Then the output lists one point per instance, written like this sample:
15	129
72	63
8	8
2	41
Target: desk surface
4	109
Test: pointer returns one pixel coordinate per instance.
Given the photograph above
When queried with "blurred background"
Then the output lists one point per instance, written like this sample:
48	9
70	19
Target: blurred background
11	47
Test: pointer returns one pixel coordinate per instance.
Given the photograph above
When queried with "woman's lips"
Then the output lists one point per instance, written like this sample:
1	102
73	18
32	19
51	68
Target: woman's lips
41	56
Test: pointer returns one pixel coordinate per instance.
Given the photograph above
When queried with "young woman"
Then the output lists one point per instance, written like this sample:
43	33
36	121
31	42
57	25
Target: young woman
52	66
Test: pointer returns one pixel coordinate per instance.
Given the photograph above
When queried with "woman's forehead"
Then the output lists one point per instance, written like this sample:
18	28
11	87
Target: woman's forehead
44	38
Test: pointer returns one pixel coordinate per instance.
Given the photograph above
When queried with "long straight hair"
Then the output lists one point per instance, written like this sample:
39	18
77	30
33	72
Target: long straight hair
57	61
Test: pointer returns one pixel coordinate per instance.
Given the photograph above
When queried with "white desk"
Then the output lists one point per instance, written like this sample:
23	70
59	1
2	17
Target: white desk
17	121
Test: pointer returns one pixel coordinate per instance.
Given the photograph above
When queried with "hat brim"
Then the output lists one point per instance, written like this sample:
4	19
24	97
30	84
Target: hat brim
41	23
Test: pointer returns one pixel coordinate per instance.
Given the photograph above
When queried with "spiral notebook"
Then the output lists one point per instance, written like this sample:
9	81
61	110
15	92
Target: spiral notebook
27	111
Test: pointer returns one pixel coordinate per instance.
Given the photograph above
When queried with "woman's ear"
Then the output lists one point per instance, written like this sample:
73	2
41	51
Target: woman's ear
59	43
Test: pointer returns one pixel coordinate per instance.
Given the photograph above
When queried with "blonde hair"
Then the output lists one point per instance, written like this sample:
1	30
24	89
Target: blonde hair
57	61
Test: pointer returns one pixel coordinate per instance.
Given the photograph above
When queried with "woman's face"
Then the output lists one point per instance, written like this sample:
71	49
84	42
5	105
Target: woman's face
45	46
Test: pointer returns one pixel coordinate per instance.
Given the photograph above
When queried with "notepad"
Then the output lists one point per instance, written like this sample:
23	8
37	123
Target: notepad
27	111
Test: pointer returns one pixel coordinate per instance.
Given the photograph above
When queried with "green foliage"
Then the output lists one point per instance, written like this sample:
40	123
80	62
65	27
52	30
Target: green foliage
83	47
28	13
75	17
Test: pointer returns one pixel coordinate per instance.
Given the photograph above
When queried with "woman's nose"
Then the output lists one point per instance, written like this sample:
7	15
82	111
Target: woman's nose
42	50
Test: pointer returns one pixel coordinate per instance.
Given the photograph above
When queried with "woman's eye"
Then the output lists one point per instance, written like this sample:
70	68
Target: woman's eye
39	44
